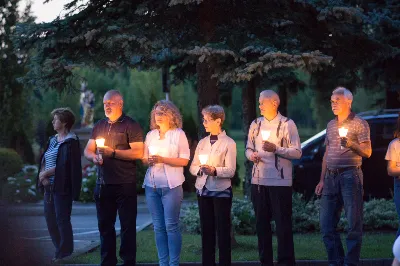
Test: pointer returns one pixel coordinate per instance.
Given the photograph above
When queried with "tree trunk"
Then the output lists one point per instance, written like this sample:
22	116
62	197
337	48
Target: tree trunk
249	104
283	96
207	89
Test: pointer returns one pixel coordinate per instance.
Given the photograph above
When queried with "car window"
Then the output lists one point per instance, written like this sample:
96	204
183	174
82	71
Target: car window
316	147
382	132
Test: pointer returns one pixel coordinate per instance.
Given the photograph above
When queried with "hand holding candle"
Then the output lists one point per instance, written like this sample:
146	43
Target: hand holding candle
153	150
100	144
265	134
203	158
267	146
343	133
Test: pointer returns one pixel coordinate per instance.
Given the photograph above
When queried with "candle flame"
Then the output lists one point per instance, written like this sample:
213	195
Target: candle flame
203	158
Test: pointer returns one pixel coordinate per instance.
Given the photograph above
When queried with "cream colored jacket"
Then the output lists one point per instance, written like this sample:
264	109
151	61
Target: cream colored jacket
221	155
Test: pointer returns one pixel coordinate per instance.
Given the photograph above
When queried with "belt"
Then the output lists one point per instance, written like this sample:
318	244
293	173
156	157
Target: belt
339	171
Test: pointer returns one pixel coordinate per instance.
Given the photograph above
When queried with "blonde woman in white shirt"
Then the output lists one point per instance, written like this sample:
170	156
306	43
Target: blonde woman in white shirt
213	185
393	167
166	152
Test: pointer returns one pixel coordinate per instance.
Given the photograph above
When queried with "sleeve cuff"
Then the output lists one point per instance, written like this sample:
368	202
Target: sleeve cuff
279	150
184	156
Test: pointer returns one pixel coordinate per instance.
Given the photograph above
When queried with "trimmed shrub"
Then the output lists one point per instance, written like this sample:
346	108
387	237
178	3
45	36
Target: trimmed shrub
10	163
379	214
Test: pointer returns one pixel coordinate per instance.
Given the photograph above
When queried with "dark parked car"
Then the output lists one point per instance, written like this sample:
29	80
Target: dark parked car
377	183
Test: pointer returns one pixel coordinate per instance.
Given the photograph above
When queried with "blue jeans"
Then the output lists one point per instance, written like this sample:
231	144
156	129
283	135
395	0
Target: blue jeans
57	211
342	190
397	200
165	205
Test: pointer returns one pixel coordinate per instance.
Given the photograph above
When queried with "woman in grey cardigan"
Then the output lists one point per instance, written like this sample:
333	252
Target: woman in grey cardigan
214	164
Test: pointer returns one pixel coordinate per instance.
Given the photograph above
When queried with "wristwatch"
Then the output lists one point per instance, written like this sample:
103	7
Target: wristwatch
113	154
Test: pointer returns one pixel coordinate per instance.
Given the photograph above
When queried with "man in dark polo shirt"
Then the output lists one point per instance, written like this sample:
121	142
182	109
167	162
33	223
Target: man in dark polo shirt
116	183
341	179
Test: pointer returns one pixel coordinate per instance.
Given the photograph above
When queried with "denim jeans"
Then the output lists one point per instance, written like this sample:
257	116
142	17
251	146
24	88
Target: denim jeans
165	205
342	190
111	198
397	200
57	211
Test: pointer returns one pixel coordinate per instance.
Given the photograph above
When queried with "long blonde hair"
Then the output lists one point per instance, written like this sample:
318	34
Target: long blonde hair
175	117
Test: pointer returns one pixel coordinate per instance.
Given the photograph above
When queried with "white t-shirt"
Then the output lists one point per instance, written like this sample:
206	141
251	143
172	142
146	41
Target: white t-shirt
157	174
174	145
393	152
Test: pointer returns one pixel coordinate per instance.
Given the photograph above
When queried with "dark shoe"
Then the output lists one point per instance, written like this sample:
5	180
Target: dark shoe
59	259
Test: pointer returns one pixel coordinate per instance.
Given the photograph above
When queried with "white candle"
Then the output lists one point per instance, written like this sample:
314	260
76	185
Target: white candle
343	133
100	144
153	150
265	134
203	158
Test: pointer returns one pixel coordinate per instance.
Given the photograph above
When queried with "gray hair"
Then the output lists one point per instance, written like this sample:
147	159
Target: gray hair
215	111
270	94
345	92
114	93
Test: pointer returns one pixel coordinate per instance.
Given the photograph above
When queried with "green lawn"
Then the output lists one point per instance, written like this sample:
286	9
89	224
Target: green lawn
307	247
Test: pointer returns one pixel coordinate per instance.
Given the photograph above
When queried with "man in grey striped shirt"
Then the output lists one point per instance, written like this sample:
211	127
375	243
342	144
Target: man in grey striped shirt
341	179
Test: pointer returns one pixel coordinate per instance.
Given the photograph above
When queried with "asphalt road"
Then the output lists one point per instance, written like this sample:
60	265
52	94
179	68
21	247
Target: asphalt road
26	225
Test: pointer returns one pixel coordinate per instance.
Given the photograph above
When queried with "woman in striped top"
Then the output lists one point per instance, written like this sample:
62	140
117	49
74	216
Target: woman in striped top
213	184
60	178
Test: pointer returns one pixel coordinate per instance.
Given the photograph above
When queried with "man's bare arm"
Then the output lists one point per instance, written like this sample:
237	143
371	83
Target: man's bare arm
90	150
392	169
134	153
363	149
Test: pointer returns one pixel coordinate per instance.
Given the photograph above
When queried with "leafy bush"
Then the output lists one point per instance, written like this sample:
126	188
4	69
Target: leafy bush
22	186
89	177
243	219
10	163
379	214
191	219
305	215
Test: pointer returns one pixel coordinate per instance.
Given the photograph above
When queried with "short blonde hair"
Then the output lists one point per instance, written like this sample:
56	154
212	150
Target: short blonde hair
175	117
215	111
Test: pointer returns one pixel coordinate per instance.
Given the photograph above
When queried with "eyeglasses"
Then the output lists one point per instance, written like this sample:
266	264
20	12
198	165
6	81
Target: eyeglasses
159	113
207	121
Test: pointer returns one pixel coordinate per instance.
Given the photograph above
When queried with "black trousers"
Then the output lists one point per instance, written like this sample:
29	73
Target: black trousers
274	203
215	216
109	200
